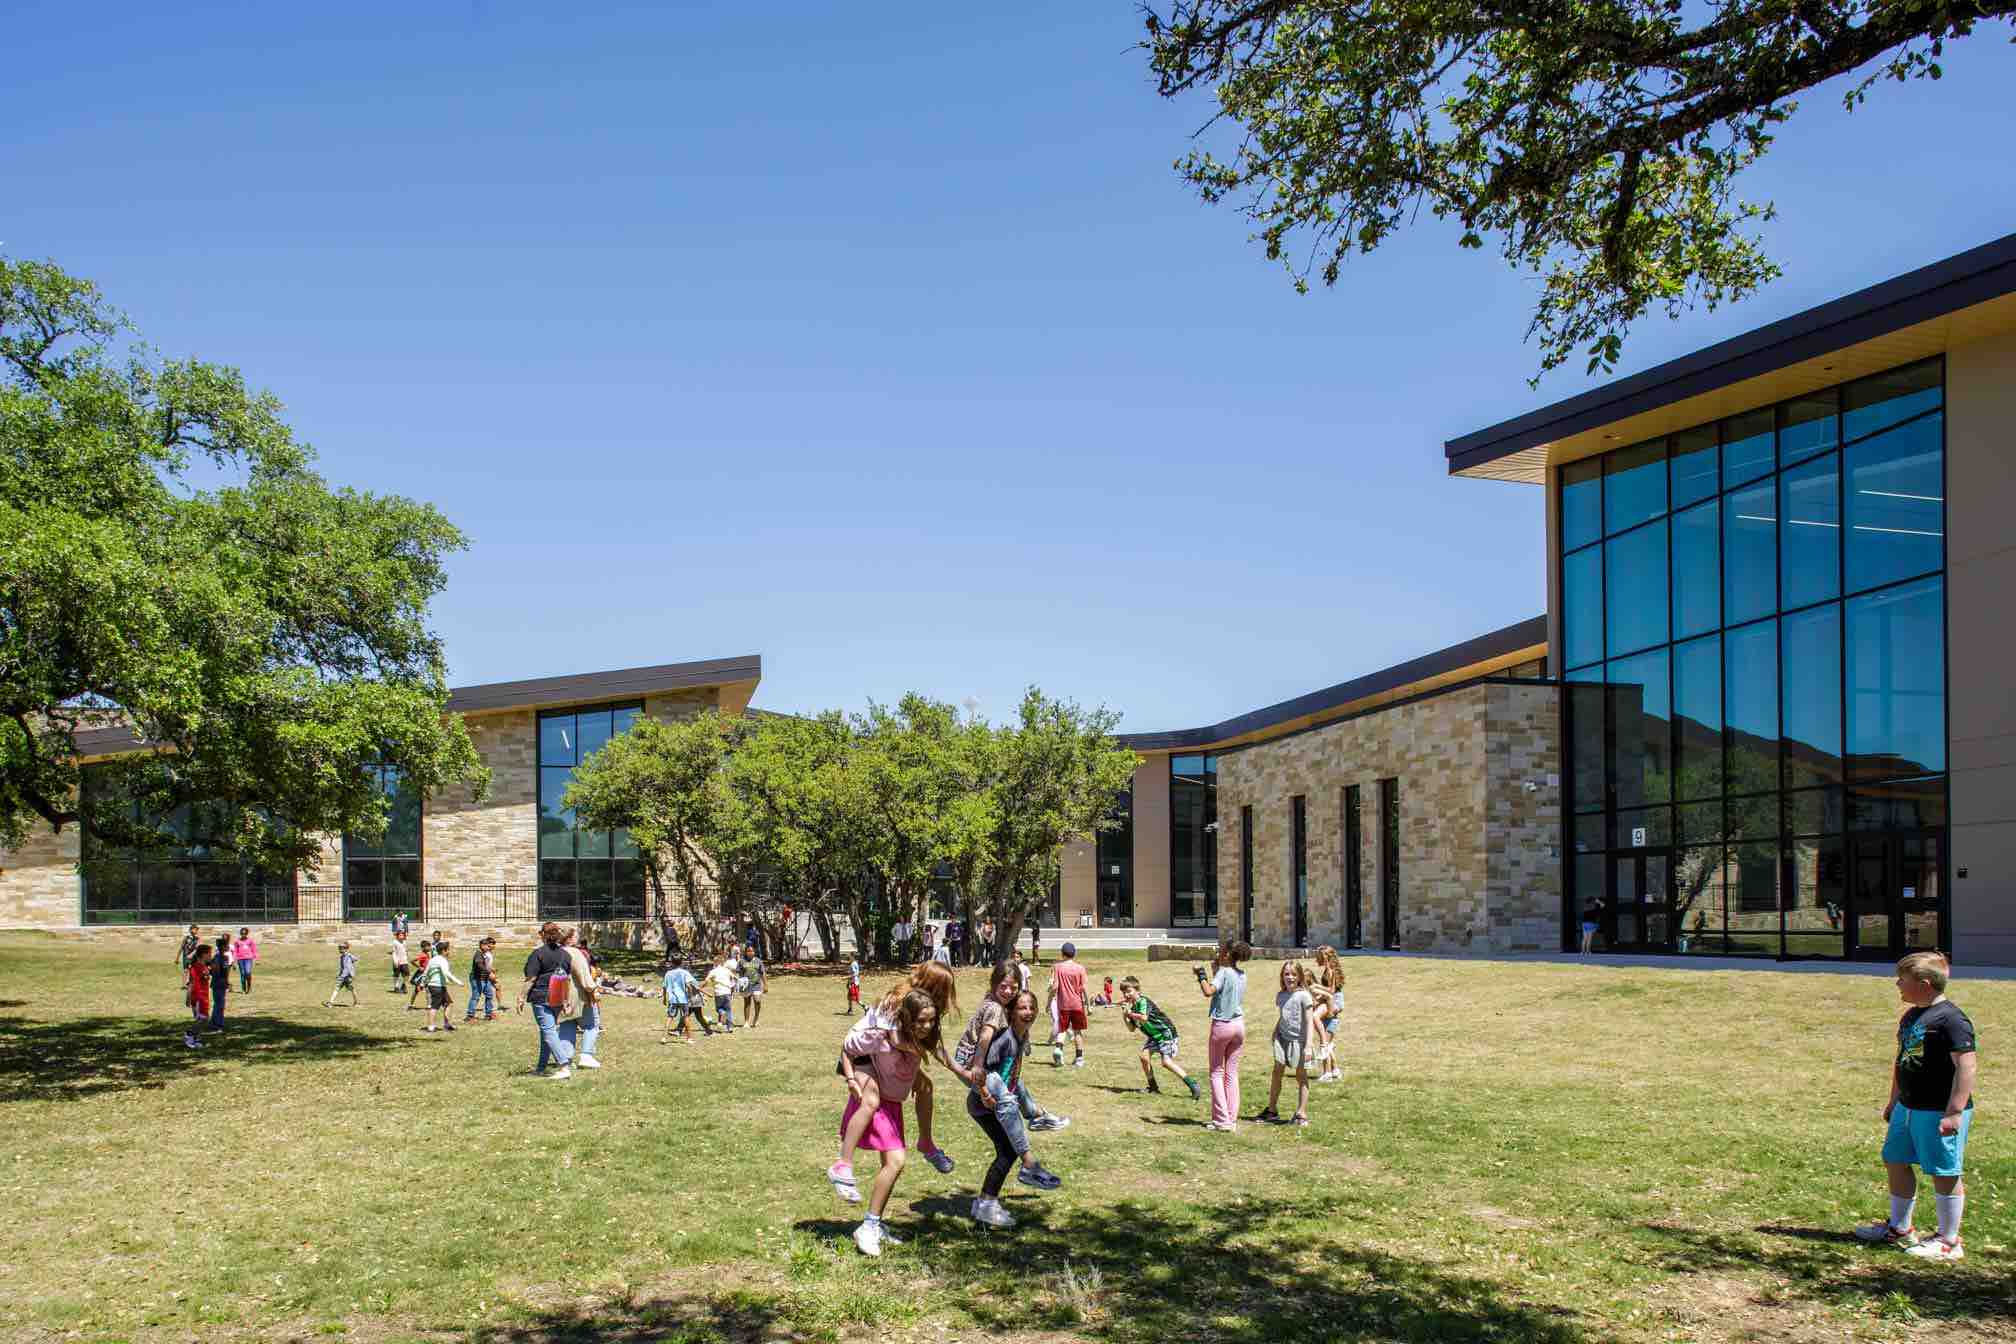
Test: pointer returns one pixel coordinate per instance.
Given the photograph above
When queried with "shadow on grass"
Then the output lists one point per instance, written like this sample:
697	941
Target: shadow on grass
1830	1267
1131	1273
736	1318
88	1056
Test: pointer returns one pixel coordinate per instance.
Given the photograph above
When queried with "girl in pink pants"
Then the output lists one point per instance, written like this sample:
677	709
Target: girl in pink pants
1226	988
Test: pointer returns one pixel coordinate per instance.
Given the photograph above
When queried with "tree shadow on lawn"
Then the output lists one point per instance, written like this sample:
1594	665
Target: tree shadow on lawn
86	1056
1831	1267
735	1319
1234	1272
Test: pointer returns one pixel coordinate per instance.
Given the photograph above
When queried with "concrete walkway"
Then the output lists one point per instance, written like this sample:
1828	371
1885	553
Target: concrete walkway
1884	969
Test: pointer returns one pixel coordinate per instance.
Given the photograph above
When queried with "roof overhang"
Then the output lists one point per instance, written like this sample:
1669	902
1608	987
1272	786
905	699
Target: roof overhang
1958	301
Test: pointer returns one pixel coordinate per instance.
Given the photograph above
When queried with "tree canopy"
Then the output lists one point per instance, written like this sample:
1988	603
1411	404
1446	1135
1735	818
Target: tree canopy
1598	142
264	634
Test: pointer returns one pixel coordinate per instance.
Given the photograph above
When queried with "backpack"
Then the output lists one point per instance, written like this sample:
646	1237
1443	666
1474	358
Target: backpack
556	990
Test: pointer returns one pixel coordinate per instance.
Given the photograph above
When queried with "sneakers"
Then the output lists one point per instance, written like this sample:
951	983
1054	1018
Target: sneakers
1298	1120
447	1026
989	1213
562	1072
1196	1092
587	1062
1220	1127
1038	1176
1049	1121
940	1159
1270	1116
1937	1248
1153	1088
1886	1234
1056	1056
868	1238
430	1028
1078	1061
190	1039
842	1176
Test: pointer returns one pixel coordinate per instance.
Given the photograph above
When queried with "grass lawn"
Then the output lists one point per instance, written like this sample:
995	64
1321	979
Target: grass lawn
1519	1152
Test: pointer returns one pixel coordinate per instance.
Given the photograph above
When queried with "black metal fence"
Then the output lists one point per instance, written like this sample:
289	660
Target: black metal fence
437	904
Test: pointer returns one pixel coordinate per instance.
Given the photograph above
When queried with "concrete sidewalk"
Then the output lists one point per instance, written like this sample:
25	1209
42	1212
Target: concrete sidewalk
1885	969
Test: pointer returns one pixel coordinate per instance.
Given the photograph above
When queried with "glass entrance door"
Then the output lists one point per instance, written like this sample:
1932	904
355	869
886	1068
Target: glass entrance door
1894	887
1640	913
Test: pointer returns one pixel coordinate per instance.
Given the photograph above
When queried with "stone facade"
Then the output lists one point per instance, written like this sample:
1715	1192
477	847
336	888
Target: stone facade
39	885
1476	861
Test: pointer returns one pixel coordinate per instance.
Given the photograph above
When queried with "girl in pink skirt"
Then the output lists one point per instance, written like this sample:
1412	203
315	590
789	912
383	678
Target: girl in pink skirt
887	1053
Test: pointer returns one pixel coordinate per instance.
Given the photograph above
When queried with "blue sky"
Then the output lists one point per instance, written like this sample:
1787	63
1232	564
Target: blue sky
882	342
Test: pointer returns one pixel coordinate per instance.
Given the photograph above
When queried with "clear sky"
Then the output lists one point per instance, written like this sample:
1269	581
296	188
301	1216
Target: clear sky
879	340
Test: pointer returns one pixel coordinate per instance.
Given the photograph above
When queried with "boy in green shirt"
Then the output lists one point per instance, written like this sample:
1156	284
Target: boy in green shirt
1158	1032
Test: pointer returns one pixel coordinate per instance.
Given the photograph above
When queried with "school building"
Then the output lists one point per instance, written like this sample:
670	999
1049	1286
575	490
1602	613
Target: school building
1766	711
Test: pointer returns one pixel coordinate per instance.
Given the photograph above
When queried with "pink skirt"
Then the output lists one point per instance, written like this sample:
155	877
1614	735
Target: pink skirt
885	1128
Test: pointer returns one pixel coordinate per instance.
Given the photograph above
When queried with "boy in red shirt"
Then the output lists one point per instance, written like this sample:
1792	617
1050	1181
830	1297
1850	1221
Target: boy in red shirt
1067	986
198	995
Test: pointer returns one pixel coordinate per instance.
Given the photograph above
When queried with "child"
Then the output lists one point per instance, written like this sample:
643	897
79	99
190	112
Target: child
721	984
220	981
1104	998
988	1019
190	942
346	976
1067	987
1226	988
1930	1110
244	952
1329	993
438	977
889	1058
1291	1042
482	982
419	974
937	984
853	987
753	983
1158	1035
400	967
197	995
992	1105
680	988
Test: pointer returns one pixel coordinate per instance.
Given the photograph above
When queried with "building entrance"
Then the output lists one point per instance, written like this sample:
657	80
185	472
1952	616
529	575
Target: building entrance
1894	889
1639	917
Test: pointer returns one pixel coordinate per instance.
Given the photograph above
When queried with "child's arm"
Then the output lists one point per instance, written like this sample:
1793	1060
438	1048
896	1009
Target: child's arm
1964	1068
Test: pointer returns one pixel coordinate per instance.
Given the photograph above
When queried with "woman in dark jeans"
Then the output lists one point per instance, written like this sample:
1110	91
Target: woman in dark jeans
547	960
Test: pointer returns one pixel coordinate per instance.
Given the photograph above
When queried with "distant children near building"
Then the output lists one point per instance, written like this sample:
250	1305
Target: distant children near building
721	985
346	976
401	962
220	980
438	977
483	981
1158	1036
190	942
853	986
682	991
1930	1110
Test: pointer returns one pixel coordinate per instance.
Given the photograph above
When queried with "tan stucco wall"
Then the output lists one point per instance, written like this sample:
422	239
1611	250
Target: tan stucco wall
1077	885
1151	842
1981	645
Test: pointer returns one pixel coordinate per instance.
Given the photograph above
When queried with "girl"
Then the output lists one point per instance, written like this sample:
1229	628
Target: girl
881	1064
244	951
197	996
439	976
1226	988
1329	993
993	1106
220	980
1291	1041
937	984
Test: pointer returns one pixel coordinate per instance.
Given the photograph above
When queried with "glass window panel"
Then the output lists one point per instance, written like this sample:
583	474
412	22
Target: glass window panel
1806	425
591	844
1582	606
1813	915
363	874
1896	652
1879	402
1750	705
1697	723
1756	881
621	845
1697	466
1809	535
1645	828
1698	897
402	825
1697	570
622	717
556	872
556	823
594	882
1585	714
1813	812
1700	823
1635	589
1898	805
1750	817
596	725
1750	554
1186	765
404	874
1812	713
1581	503
1896	504
556	740
1634	485
1640	713
1749	446
1591	833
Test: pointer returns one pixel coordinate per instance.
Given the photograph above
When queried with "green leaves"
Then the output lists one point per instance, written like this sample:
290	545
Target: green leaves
268	637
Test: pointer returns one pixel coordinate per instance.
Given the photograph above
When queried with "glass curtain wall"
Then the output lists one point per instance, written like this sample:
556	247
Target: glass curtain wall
582	874
1193	841
195	880
1753	621
1114	858
383	876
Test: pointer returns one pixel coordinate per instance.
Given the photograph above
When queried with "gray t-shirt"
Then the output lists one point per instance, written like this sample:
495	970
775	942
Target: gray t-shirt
752	970
1228	995
1293	1025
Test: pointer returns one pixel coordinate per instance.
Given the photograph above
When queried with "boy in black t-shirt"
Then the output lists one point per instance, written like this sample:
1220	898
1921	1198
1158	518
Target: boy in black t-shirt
1930	1110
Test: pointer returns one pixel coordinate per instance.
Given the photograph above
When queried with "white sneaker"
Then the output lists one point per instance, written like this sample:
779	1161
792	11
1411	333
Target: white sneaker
564	1072
587	1062
868	1239
1937	1248
1078	1063
990	1213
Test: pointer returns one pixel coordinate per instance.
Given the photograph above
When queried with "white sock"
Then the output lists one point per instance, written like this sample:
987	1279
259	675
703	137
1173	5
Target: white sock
1900	1210
1950	1207
873	1220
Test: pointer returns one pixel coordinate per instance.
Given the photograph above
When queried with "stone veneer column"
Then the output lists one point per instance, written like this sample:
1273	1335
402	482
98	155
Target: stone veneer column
39	885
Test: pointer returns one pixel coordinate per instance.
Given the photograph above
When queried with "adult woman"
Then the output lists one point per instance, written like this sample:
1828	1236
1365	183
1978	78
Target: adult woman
585	1032
547	960
1226	988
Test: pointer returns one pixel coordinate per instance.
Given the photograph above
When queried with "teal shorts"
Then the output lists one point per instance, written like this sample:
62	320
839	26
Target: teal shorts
1914	1137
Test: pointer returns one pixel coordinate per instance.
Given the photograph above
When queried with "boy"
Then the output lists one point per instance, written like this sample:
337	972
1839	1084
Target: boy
680	987
438	977
400	966
220	980
853	986
1067	985
1930	1110
419	974
346	976
190	942
753	983
721	984
1158	1035
482	982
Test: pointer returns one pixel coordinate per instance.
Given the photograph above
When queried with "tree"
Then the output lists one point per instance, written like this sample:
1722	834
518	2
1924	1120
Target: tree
267	639
1600	143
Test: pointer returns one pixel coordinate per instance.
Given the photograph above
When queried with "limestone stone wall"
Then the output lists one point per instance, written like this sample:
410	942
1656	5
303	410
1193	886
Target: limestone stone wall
39	885
495	841
1522	748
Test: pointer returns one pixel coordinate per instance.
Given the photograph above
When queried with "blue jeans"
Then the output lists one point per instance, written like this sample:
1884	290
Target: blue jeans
552	1045
724	1011
1010	1109
245	974
583	1032
484	992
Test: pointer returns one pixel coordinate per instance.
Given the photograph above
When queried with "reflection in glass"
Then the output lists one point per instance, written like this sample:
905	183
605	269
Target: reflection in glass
1806	426
1896	668
1749	446
1809	511
1645	828
1634	485
1193	841
1750	703
1884	400
1582	606
556	739
1699	823
1812	652
1896	504
1585	717
1750	561
1581	503
594	727
1816	905
1591	834
1697	703
1697	466
1697	570
1813	812
1635	589
1640	714
1699	905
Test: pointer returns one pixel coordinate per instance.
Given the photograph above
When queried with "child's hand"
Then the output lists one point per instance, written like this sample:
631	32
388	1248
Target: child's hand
1949	1125
1888	1107
855	1085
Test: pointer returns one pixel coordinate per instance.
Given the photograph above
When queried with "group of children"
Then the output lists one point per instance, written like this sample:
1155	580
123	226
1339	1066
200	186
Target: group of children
690	981
206	977
428	971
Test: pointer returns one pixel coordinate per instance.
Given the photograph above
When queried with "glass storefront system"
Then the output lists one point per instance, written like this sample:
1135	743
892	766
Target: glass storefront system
384	876
582	874
193	881
1113	857
1193	841
1753	633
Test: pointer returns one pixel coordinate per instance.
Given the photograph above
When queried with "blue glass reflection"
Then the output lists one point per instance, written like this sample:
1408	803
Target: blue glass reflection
1812	654
1750	554
1749	446
1697	466
1896	504
1750	703
1809	512
1697	718
1896	664
1635	589
1582	606
1640	730
1806	425
1581	503
1634	485
1886	399
1697	570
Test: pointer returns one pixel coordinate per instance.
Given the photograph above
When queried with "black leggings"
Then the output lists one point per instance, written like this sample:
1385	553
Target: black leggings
1004	1151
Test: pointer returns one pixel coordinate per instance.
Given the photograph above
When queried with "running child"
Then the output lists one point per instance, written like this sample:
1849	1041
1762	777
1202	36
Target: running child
1158	1036
346	976
721	984
197	995
992	1106
1067	985
1930	1110
881	1064
680	991
400	964
937	984
420	974
439	975
989	1019
752	982
1292	1049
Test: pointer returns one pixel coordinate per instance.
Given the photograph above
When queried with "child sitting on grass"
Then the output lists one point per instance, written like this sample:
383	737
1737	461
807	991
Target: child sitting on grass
1158	1035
